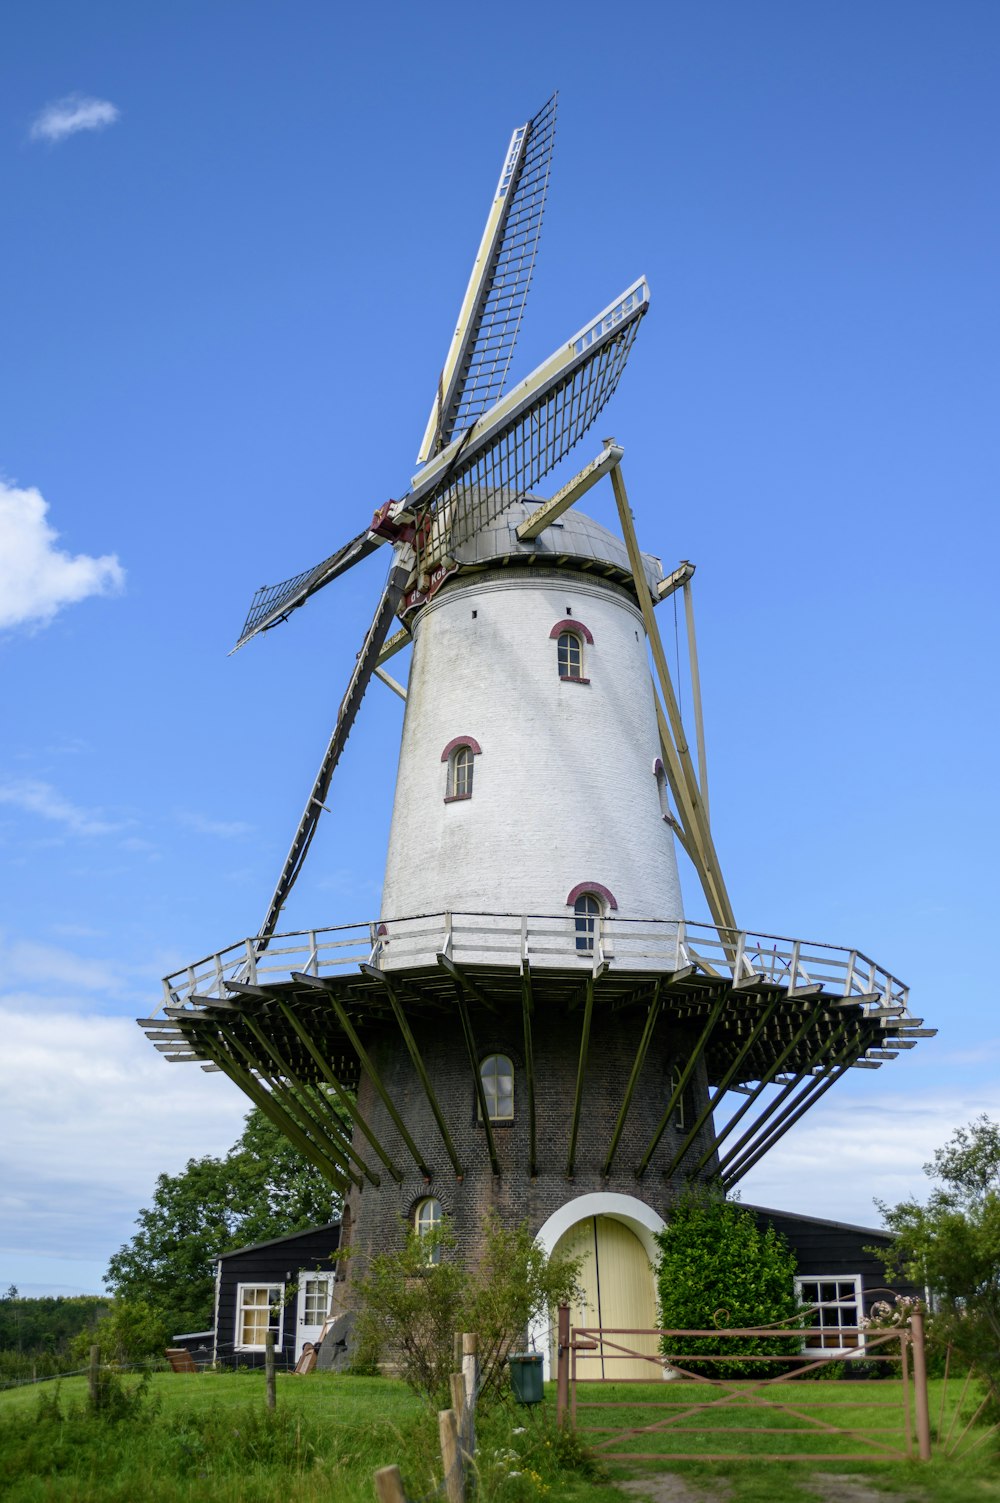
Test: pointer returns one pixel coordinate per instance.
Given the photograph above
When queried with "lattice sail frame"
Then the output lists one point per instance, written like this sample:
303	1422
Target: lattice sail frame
482	347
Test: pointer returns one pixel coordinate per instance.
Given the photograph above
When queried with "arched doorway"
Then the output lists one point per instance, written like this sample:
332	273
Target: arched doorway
615	1237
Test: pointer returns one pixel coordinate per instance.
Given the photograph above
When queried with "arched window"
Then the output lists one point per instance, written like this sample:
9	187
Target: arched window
497	1073
588	911
427	1217
459	755
570	655
460	765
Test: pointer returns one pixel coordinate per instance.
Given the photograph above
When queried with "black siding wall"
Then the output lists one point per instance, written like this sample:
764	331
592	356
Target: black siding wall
278	1262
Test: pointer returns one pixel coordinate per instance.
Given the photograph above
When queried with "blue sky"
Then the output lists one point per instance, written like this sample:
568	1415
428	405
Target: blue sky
236	239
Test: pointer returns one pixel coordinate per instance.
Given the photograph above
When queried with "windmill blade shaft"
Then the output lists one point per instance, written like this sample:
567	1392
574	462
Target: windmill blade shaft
272	603
360	678
490	316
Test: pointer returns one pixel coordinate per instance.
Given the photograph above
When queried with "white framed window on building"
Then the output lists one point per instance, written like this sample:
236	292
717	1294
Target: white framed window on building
833	1325
497	1072
427	1217
460	755
259	1309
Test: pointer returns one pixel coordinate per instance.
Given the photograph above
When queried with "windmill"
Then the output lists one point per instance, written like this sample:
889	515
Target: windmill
531	1025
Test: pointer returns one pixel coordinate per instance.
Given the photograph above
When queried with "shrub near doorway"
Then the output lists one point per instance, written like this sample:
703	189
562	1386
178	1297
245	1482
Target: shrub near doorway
718	1268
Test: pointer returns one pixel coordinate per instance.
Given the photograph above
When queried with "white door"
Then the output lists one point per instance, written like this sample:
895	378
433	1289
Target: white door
618	1288
315	1293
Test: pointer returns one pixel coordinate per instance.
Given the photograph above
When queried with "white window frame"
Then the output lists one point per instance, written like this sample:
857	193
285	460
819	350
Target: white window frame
242	1346
587	922
461	771
493	1095
564	658
433	1253
840	1303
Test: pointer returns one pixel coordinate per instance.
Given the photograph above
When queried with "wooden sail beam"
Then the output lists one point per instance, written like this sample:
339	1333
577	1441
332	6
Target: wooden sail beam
637	1064
527	1009
723	1086
343	1096
418	1064
699	724
588	1012
350	1031
682	1081
337	1137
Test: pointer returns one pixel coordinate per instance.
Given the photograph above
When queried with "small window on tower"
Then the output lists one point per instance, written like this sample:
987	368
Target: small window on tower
570	655
497	1073
427	1217
460	773
588	911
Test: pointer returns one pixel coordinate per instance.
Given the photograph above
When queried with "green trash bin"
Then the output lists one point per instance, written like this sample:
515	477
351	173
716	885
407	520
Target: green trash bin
526	1376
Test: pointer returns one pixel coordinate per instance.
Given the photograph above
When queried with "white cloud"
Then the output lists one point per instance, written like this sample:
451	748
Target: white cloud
36	578
73	113
36	797
90	1114
226	829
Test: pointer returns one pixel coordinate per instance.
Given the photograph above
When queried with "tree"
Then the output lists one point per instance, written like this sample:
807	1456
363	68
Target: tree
262	1188
951	1245
717	1268
411	1306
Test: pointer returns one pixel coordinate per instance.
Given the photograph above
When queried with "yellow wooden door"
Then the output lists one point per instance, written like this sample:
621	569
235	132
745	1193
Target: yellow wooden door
617	1290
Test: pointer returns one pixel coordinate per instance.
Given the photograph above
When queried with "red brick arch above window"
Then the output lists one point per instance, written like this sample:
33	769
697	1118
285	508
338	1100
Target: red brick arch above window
457	741
570	625
599	891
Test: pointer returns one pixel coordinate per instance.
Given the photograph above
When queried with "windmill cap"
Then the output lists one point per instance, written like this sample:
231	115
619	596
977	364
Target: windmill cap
574	536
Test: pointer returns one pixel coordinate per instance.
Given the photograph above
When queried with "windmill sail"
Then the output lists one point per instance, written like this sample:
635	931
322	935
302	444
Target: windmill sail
526	434
349	705
483	343
272	603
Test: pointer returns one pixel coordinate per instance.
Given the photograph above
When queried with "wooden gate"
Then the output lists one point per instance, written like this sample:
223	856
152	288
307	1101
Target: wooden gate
695	1404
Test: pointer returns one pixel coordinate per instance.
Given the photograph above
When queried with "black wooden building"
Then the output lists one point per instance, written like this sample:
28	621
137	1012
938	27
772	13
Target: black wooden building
284	1285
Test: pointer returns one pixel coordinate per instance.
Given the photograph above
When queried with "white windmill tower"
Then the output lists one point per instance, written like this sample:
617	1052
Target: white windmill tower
530	1026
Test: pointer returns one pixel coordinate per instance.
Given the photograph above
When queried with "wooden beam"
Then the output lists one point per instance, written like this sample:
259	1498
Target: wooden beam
368	1067
722	1087
477	1076
637	1064
411	1044
457	974
394	644
550	511
527	1008
675	581
682	1081
699	724
588	1012
343	1096
391	683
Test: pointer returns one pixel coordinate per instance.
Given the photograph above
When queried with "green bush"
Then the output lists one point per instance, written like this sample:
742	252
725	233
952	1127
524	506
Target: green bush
717	1268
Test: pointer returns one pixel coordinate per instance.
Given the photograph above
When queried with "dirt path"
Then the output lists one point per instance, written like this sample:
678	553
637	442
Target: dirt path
825	1487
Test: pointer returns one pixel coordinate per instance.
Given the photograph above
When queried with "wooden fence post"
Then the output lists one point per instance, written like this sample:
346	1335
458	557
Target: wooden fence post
269	1368
451	1457
456	1349
94	1377
470	1375
562	1366
457	1384
389	1485
920	1388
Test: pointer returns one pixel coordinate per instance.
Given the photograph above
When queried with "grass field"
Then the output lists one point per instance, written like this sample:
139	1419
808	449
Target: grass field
209	1437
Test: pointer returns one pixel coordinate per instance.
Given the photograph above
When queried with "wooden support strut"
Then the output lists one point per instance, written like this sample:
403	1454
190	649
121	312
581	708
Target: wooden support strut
296	1110
527	1008
418	1064
477	1076
682	1082
722	1087
457	974
262	1098
343	1096
773	1069
367	1066
756	1127
341	1140
637	1064
588	1012
690	805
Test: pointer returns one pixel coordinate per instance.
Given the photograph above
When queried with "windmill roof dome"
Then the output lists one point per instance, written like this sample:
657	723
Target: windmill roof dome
573	536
